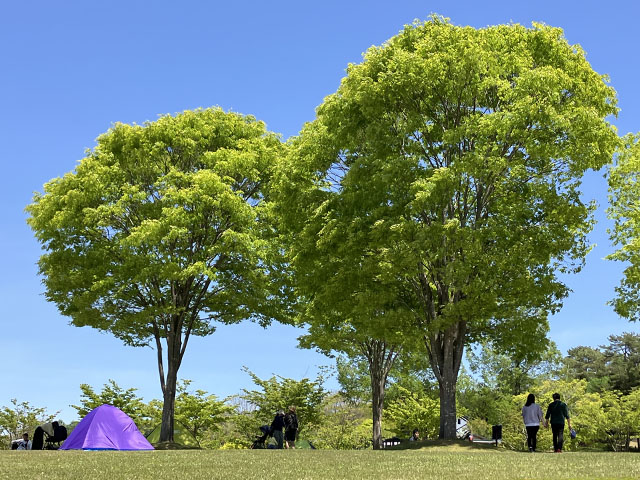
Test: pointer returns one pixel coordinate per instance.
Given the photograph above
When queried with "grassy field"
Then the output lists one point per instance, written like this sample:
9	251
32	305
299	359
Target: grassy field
453	462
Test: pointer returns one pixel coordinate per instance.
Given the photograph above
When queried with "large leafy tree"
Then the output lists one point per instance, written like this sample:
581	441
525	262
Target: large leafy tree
161	230
446	170
624	210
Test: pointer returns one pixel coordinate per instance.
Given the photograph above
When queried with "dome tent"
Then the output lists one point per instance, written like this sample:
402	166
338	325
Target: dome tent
106	428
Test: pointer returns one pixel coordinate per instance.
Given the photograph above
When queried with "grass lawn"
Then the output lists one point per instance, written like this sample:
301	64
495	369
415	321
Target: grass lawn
448	462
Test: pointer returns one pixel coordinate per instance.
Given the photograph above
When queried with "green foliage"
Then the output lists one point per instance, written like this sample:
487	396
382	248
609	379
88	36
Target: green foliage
201	413
622	356
615	366
353	377
344	426
513	374
437	194
587	363
162	221
483	403
624	210
20	418
126	400
414	410
343	434
278	393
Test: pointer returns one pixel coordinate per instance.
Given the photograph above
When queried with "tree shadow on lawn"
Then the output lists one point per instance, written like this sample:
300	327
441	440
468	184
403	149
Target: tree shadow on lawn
446	445
173	446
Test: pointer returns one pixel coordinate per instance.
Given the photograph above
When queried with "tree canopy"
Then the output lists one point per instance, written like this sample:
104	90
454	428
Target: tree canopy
442	182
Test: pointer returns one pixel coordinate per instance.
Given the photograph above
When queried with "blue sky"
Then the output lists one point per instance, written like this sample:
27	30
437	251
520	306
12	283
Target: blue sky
71	69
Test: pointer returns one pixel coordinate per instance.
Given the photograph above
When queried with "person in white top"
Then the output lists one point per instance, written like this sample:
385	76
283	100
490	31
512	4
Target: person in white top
532	416
25	443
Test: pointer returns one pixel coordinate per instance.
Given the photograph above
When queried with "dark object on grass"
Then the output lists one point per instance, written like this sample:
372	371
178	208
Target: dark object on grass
59	435
38	439
390	442
260	440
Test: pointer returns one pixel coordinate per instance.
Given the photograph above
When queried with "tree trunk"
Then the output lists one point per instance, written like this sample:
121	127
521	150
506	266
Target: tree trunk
168	408
445	352
448	406
380	358
377	392
169	387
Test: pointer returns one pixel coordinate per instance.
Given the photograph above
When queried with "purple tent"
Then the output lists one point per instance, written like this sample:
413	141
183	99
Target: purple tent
106	428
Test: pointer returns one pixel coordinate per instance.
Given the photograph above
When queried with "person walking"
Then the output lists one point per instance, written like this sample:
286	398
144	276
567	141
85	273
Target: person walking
557	411
532	416
276	428
291	427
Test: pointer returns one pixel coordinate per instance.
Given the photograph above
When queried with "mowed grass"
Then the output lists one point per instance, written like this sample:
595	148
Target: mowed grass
451	462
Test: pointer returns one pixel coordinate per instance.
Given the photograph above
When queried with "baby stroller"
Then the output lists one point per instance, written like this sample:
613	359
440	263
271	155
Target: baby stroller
260	440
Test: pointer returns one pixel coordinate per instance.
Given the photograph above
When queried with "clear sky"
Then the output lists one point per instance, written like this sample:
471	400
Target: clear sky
69	69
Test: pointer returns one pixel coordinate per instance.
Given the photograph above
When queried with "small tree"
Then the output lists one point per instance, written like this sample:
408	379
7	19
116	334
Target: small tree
200	413
113	394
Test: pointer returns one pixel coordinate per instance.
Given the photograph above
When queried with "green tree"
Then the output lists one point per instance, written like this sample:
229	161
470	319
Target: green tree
161	230
199	412
278	393
624	210
445	172
414	410
513	373
615	366
587	363
379	354
21	418
113	394
622	357
345	425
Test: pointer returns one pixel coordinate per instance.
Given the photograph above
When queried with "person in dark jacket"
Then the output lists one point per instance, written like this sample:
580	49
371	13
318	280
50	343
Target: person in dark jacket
276	428
557	411
291	427
38	439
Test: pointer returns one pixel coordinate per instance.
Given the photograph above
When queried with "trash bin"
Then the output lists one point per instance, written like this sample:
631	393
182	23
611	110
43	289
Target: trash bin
496	433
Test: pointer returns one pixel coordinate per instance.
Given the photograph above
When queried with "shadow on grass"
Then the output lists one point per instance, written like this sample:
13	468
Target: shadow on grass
173	446
446	445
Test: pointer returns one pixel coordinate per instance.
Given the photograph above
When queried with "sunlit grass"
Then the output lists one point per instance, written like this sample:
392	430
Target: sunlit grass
430	461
